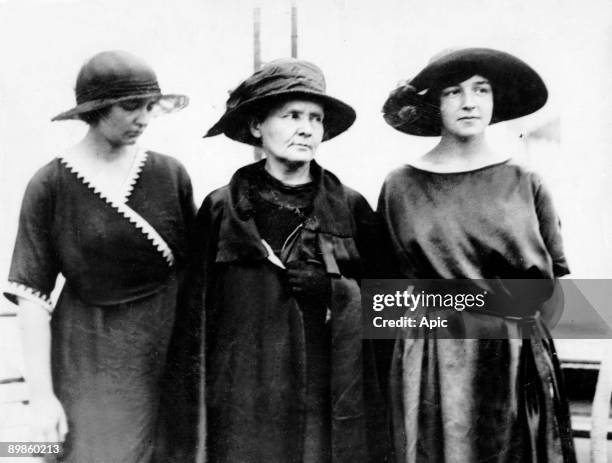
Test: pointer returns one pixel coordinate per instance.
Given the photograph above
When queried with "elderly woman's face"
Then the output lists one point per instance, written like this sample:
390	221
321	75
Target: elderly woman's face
466	108
292	131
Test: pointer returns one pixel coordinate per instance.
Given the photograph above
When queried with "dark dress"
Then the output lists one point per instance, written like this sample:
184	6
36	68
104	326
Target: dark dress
120	256
279	210
465	400
284	382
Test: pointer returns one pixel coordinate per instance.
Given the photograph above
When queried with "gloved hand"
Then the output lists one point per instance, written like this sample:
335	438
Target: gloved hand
309	282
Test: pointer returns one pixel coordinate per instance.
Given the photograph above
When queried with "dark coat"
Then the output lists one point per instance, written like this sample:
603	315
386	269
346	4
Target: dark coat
251	353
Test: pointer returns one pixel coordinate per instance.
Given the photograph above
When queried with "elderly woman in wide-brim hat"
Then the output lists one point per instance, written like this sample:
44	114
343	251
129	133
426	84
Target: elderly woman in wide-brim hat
282	248
112	218
492	390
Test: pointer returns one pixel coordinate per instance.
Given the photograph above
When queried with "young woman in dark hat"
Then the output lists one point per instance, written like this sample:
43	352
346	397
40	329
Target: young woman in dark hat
112	219
463	211
282	248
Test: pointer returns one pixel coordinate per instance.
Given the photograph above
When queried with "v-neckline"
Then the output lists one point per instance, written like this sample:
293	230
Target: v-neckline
119	202
127	187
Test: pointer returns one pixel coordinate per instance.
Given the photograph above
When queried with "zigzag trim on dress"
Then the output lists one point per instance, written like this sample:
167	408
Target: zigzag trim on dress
134	175
31	294
134	217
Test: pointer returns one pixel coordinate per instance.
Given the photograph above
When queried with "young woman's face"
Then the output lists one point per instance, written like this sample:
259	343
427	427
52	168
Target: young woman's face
291	132
466	108
126	121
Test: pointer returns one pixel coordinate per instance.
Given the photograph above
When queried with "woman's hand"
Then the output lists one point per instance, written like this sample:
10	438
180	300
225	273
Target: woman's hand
552	309
47	417
309	281
48	421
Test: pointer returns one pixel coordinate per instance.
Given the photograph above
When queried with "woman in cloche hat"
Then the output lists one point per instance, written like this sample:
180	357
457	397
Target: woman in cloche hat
112	219
282	248
489	387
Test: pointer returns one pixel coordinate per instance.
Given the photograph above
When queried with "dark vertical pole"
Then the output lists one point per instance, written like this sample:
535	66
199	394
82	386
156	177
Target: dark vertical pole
257	154
294	34
256	39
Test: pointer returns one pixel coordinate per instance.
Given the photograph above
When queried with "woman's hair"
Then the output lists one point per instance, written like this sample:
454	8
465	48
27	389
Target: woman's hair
92	118
262	109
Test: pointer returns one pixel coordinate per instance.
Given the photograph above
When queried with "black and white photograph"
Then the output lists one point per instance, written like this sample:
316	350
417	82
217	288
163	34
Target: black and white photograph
306	231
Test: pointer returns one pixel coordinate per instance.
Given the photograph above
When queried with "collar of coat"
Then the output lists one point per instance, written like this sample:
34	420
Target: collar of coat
239	238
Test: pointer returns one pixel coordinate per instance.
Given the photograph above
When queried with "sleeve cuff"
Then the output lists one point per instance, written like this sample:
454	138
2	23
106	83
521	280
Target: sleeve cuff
12	290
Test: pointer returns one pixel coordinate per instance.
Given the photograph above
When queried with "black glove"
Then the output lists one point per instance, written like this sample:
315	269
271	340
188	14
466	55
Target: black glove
309	282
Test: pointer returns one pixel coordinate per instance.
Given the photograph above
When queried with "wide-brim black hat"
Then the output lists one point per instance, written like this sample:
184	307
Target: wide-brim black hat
276	81
517	89
110	77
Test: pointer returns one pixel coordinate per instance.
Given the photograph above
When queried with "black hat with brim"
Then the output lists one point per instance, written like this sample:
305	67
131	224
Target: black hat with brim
517	89
114	76
278	81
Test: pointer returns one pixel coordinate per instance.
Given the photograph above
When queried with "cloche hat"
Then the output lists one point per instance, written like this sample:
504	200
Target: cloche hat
113	76
517	89
282	78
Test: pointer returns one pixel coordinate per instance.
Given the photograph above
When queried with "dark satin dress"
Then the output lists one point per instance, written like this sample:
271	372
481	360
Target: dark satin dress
465	400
